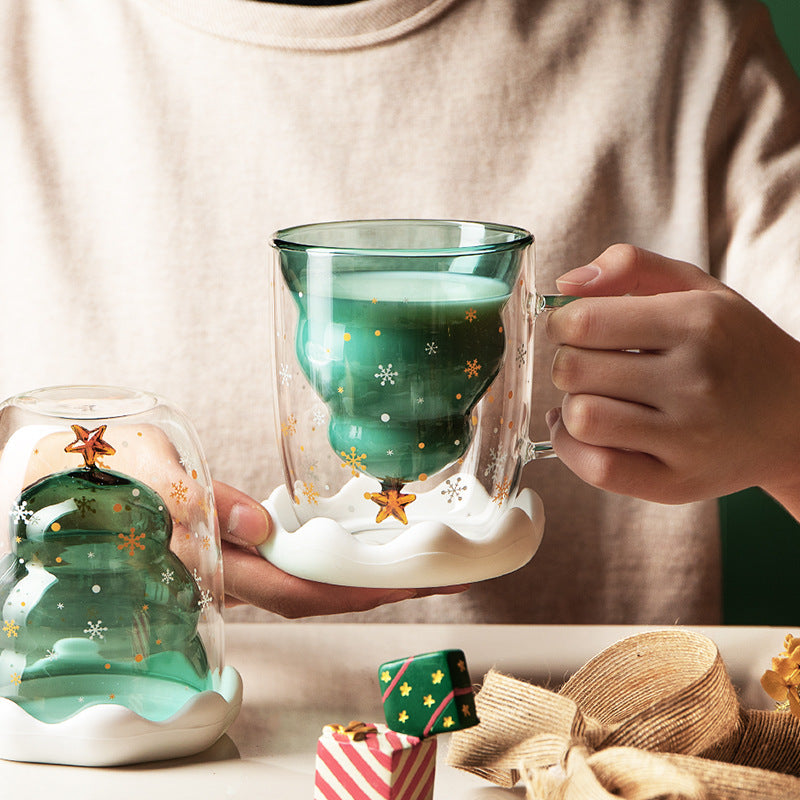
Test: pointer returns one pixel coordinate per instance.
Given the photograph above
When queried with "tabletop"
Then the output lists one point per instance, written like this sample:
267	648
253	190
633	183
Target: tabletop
299	677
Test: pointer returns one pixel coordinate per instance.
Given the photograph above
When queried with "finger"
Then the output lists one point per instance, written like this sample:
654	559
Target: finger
242	520
252	579
634	377
620	323
606	422
613	470
626	269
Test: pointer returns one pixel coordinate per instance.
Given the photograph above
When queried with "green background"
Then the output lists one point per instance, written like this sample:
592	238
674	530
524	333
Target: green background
786	18
760	541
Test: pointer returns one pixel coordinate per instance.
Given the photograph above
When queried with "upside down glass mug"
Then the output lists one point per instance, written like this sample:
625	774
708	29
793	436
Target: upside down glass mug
111	639
402	374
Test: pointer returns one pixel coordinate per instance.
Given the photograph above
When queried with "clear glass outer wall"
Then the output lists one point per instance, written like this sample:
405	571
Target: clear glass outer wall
110	562
402	361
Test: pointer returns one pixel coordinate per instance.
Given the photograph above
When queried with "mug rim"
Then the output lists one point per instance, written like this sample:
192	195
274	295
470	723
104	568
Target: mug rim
518	238
85	401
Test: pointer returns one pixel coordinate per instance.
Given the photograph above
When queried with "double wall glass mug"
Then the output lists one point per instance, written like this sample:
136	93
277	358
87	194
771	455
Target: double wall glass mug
111	642
402	372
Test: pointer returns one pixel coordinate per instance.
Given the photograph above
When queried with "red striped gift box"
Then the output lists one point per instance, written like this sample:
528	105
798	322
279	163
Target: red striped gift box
378	765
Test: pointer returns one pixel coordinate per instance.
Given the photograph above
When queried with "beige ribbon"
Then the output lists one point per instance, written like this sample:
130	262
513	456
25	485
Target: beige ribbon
653	716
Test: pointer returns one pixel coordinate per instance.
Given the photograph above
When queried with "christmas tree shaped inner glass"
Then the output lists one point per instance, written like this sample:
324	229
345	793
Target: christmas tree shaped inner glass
403	377
110	582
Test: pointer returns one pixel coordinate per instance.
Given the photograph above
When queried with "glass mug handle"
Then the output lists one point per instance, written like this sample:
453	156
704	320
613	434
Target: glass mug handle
536	451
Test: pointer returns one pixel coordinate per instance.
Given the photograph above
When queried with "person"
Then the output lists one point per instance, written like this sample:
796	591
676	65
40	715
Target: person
149	148
641	413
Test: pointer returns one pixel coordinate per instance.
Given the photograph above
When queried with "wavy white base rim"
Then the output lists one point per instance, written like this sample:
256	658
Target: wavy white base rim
112	735
426	554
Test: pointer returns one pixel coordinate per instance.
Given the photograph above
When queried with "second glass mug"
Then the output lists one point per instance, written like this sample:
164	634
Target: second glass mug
403	377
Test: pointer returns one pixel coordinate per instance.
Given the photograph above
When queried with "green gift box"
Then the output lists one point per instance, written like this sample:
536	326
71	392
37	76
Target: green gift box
428	694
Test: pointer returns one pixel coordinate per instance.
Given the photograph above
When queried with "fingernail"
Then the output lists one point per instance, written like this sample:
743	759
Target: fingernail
579	276
249	524
551	417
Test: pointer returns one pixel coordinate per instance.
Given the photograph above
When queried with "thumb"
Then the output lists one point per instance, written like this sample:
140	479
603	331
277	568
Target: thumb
626	269
242	520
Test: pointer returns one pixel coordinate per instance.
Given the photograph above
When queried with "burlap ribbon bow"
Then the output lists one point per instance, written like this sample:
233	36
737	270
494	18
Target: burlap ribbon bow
653	716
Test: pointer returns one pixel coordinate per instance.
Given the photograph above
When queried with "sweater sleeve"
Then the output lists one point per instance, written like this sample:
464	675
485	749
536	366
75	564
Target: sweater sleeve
754	172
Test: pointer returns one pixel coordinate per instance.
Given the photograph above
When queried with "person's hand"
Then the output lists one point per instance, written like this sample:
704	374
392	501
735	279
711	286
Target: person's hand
249	578
677	391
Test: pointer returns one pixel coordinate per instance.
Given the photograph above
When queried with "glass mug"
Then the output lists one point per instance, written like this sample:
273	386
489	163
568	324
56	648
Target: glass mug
402	353
111	642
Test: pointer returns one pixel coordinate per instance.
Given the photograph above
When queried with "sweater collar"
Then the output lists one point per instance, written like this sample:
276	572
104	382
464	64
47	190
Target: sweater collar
298	27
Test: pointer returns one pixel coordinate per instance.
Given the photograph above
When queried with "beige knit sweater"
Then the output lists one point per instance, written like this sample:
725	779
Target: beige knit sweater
149	147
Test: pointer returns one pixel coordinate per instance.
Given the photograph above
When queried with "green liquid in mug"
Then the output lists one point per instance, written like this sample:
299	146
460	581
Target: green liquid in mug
401	358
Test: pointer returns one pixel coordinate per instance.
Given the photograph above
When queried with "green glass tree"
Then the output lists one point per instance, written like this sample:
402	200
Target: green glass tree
96	607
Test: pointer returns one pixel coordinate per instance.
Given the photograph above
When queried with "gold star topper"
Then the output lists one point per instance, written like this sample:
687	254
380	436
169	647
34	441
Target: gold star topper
391	502
90	444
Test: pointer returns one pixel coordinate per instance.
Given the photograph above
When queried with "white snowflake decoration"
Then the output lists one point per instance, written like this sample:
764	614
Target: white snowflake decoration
285	374
188	464
95	629
21	512
318	416
385	374
431	348
454	490
205	599
497	460
167	576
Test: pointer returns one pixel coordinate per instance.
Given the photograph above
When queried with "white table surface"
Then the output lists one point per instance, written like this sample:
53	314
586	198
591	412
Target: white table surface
299	677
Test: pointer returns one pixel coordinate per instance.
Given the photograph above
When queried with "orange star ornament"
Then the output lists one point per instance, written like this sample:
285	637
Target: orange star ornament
391	502
90	444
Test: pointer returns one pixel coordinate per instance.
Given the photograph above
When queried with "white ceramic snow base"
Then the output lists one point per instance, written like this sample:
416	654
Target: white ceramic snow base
111	735
424	554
